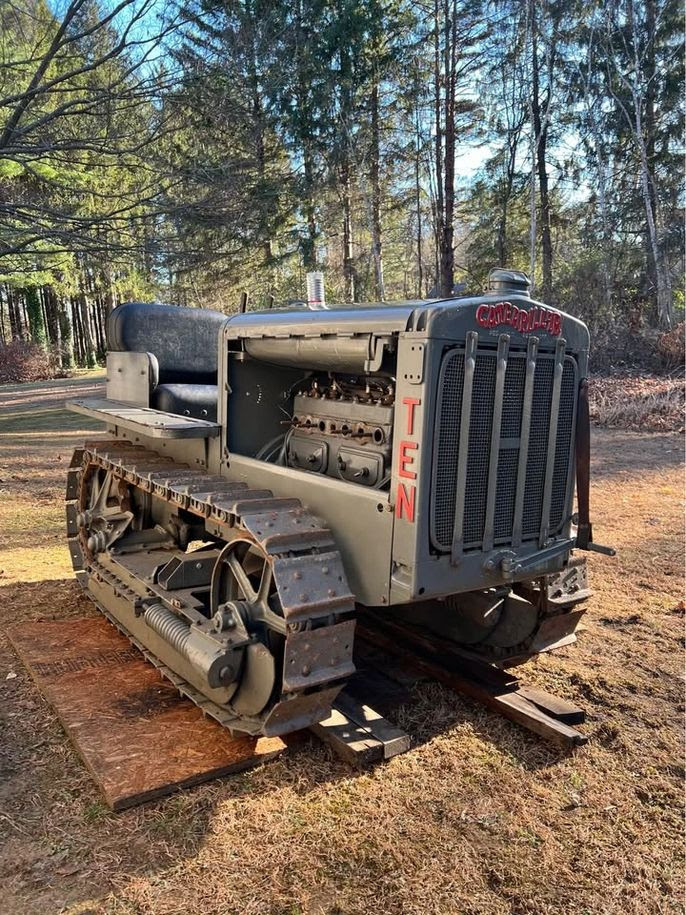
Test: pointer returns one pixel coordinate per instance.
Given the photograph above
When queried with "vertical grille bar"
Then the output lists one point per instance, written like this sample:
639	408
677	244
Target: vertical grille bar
531	352
465	418
552	441
501	365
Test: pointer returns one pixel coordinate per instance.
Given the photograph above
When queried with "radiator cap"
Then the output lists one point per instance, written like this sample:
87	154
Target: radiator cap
503	282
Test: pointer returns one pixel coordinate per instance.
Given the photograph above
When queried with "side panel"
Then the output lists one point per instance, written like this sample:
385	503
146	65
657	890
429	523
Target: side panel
360	519
131	377
418	359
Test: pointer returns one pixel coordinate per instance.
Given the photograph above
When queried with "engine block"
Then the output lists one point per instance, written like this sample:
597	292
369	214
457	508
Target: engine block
344	429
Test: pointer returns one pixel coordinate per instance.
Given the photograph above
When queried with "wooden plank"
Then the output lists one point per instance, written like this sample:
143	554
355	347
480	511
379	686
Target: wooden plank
138	738
351	742
394	739
517	708
508	703
386	665
445	653
553	705
144	420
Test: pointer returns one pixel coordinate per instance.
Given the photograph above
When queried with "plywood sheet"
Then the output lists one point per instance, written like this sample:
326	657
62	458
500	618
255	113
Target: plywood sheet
139	739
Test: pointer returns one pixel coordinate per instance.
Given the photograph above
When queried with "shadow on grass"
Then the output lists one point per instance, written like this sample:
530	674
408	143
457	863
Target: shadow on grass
46	420
46	786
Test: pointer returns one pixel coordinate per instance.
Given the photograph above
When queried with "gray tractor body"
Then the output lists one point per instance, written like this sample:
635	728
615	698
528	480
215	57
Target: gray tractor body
435	440
475	442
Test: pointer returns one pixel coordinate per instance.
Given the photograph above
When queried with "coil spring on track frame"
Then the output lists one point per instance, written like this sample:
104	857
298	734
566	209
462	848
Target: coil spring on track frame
168	626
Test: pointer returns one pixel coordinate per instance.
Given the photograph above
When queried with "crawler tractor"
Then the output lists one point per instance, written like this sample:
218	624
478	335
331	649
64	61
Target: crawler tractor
267	475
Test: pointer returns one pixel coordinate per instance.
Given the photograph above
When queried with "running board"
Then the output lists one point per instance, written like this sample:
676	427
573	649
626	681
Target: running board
143	420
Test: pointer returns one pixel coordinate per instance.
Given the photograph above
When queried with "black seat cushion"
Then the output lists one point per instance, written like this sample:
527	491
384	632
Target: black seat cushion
196	400
184	340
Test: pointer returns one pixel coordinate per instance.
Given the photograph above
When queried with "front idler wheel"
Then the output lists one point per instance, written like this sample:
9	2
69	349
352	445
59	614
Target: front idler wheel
244	595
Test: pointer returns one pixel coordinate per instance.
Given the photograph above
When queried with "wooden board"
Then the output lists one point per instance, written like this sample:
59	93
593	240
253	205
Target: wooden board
393	739
359	734
138	738
539	712
354	744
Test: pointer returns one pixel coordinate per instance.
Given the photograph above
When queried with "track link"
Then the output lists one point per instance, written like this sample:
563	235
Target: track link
315	600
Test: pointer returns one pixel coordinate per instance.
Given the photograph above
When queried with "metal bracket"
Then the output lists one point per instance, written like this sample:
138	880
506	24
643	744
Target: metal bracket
510	565
413	364
190	570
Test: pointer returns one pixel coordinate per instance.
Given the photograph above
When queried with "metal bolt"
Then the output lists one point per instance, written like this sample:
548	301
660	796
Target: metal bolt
305	671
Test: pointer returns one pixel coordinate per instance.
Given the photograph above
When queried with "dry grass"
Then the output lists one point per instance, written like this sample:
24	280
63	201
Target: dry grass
645	403
478	818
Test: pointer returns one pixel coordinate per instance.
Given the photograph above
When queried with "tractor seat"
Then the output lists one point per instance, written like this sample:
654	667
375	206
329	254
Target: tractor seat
185	341
196	400
182	345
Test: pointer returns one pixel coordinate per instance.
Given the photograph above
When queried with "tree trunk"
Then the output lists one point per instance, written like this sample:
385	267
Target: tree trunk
449	51
650	202
438	143
34	314
89	359
540	129
652	278
13	312
376	195
52	318
348	260
664	284
418	203
76	328
108	285
67	335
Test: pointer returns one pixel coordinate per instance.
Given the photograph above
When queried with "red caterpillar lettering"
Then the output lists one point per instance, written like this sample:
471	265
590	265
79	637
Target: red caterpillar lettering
536	318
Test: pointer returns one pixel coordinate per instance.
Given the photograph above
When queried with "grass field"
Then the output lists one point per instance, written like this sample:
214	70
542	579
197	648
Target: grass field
479	818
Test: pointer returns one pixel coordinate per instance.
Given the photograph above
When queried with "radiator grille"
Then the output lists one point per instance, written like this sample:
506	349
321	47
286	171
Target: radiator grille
449	411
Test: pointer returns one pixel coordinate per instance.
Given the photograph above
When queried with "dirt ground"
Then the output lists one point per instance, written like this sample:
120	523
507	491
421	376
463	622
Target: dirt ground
480	817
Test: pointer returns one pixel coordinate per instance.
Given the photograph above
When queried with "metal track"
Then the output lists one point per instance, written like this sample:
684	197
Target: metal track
315	599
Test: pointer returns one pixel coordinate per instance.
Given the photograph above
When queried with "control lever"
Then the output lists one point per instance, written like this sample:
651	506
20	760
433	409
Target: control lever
592	547
584	534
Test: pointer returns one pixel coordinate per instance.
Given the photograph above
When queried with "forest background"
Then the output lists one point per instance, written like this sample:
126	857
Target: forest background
188	151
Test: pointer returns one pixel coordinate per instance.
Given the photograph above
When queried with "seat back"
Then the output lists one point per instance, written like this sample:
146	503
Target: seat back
183	340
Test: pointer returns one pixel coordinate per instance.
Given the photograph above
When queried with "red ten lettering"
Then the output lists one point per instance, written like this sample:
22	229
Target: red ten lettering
405	495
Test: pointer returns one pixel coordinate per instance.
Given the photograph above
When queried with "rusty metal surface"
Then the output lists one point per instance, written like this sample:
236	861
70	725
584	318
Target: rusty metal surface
317	656
312	584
